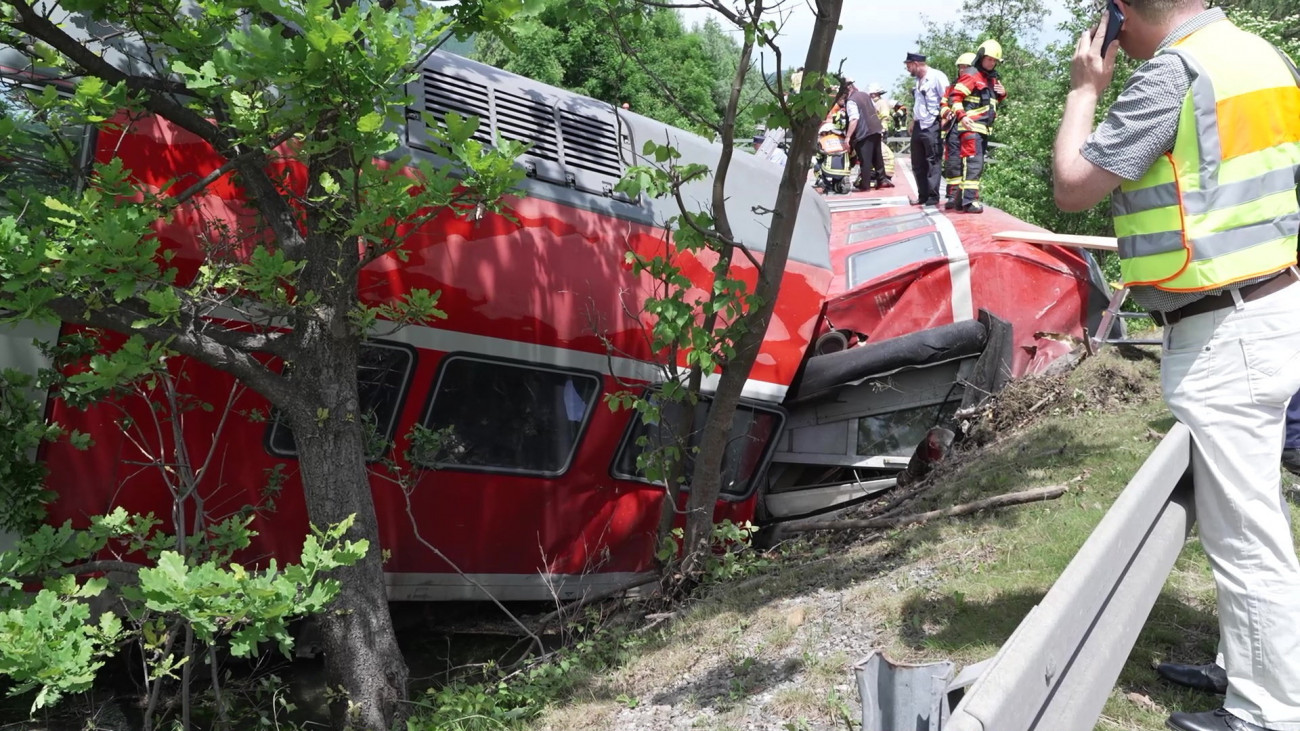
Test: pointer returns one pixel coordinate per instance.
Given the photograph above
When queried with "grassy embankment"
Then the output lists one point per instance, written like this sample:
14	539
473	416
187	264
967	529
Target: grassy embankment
784	640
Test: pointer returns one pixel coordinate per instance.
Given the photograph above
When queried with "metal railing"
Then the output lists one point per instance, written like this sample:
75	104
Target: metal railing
1059	666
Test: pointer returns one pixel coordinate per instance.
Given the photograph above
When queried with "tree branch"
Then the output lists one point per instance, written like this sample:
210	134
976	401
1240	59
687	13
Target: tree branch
40	27
252	165
222	348
1039	494
90	567
711	234
229	165
663	86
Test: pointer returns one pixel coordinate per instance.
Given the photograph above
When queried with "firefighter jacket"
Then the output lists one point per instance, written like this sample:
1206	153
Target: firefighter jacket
1220	207
973	101
884	109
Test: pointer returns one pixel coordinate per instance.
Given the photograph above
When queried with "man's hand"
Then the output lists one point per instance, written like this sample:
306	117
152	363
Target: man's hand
998	88
1089	71
1078	183
966	124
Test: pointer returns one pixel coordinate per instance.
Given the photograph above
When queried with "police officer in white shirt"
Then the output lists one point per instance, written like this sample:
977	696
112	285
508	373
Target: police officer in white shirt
927	154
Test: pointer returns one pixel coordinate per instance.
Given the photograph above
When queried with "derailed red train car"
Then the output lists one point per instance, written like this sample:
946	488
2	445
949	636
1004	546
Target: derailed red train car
929	313
538	494
889	319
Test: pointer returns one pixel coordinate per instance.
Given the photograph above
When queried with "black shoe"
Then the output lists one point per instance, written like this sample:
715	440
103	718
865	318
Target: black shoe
1209	677
915	202
1291	460
1217	720
886	183
975	207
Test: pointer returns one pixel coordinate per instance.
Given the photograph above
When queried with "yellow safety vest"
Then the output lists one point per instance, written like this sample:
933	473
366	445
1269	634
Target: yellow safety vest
1221	206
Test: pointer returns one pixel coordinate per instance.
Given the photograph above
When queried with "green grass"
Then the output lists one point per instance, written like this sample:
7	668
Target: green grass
952	589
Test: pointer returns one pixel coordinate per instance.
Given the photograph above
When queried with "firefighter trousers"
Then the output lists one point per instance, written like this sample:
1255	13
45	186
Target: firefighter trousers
964	165
952	160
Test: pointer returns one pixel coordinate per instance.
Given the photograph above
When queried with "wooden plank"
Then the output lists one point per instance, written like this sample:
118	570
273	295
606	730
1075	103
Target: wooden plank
1103	243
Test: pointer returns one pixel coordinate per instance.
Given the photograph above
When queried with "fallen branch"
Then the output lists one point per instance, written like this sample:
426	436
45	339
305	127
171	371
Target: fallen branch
998	501
577	604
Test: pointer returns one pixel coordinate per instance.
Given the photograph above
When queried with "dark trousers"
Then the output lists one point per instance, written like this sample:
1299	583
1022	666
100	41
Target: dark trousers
927	160
871	159
1293	423
963	164
952	160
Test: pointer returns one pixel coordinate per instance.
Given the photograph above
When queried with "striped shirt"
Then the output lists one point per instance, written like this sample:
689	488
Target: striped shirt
1141	126
927	96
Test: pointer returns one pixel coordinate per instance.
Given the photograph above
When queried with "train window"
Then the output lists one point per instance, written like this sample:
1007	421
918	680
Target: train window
867	265
383	374
37	155
507	417
752	433
892	226
897	433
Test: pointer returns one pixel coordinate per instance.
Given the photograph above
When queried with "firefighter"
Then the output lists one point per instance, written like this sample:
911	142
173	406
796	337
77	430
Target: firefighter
952	172
884	108
974	102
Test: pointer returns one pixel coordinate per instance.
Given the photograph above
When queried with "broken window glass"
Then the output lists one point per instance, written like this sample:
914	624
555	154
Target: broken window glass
897	433
867	265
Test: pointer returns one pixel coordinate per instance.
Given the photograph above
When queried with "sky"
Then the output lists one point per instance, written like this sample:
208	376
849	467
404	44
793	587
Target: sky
875	36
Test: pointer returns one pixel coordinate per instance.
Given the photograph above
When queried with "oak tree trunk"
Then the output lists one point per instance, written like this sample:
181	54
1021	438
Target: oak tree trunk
362	658
706	480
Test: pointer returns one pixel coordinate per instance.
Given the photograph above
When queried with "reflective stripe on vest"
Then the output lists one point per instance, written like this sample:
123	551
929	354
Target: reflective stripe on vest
1219	208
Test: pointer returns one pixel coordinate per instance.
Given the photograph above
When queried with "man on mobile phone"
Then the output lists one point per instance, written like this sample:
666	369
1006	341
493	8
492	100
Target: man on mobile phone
1201	156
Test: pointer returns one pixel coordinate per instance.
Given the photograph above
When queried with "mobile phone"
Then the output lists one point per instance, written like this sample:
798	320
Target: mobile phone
1113	25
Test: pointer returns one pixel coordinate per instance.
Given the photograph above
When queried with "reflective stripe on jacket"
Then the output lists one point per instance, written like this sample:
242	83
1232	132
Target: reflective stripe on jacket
972	98
1220	207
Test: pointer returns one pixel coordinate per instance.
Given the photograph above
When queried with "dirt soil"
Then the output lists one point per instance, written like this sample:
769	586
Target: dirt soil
1115	380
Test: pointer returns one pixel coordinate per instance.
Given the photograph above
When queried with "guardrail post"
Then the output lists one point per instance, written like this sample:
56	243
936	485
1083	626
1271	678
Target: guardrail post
901	696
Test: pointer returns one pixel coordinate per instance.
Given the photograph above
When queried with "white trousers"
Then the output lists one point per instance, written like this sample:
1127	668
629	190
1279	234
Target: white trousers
1228	376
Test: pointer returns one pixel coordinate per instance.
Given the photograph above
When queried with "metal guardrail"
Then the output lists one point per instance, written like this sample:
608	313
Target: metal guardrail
903	145
1059	666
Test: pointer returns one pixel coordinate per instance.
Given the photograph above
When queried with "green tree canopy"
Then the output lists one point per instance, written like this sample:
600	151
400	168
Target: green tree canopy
621	51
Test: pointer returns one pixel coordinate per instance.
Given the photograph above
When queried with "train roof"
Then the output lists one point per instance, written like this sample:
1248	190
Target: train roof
581	147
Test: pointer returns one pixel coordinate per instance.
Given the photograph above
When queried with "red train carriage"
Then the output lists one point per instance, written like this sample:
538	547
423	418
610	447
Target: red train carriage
928	313
536	492
889	319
